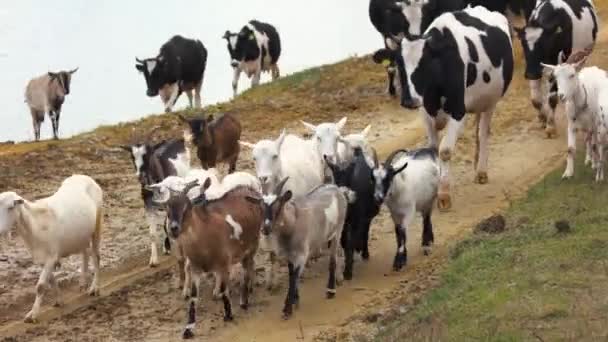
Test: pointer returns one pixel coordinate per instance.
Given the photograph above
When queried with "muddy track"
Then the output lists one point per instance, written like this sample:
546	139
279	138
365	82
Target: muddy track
139	303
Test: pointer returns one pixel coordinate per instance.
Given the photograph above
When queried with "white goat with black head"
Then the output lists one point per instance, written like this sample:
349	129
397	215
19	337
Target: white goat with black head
303	225
66	223
579	89
408	185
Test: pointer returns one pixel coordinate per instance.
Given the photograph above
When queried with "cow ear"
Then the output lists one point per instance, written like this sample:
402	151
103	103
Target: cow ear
384	57
226	35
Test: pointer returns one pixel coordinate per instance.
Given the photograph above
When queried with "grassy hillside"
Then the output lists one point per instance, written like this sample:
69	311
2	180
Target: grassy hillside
531	282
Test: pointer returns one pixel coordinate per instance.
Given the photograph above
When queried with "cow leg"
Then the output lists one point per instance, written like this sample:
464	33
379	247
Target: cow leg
197	94
446	148
172	98
47	269
276	73
255	81
235	80
189	94
349	250
483	133
431	128
225	279
390	72
192	303
36	122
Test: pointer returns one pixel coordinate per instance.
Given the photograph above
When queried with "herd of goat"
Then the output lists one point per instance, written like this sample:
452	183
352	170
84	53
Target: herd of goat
447	58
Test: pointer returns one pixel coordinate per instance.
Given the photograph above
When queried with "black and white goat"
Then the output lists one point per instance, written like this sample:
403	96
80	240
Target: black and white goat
408	185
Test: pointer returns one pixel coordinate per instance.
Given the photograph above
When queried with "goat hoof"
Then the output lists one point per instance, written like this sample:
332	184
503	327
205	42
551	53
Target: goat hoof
426	250
245	306
30	318
286	314
331	294
399	262
348	276
481	177
153	264
365	255
228	318
566	175
188	334
444	201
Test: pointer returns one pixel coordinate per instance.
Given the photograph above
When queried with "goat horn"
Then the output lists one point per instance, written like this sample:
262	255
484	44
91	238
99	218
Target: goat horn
139	60
73	71
389	159
189	186
375	157
279	187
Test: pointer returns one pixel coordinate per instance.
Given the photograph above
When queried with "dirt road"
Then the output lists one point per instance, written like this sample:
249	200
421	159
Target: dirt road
142	304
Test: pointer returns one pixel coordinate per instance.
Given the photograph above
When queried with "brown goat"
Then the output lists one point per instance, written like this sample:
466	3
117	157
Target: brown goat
216	140
215	235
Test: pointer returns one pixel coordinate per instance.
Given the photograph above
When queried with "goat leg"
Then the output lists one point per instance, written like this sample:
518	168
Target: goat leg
427	233
401	255
348	254
195	292
333	259
291	292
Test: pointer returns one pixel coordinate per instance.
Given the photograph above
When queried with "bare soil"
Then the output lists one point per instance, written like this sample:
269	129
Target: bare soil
138	303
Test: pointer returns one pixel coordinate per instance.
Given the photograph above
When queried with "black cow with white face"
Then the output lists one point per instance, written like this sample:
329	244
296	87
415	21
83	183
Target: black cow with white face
253	50
555	27
396	19
463	63
179	67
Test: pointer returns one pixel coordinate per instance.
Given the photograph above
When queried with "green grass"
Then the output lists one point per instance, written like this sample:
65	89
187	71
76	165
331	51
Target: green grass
530	282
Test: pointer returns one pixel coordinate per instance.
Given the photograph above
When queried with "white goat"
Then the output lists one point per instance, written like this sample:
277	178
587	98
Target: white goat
287	157
337	149
408	185
68	222
602	131
579	88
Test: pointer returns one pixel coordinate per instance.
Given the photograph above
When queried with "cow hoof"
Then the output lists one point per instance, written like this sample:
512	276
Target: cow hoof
481	177
444	202
188	334
331	294
399	262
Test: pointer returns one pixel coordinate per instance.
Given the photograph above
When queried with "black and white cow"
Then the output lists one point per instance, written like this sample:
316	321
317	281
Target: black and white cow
394	19
555	26
463	63
179	66
256	48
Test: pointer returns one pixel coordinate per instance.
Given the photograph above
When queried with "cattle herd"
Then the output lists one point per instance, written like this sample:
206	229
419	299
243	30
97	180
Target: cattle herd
309	195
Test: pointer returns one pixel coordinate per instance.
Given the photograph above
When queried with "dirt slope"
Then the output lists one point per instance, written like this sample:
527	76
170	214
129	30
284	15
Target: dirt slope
139	303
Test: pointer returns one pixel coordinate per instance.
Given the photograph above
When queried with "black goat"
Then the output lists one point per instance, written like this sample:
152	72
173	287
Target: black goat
358	176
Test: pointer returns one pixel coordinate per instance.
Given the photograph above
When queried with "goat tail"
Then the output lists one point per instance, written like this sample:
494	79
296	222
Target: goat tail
98	226
350	195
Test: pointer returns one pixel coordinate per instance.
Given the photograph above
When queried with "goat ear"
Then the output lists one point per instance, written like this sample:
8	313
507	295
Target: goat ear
206	184
548	68
286	196
401	168
73	71
125	147
578	66
310	127
253	200
366	130
246	144
340	124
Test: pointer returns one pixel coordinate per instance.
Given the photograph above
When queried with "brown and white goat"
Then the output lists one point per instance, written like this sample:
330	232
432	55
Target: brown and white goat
216	139
45	94
215	235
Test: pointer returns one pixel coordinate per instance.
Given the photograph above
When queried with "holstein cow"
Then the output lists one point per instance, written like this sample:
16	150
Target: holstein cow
45	94
179	66
555	26
256	48
463	63
396	19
